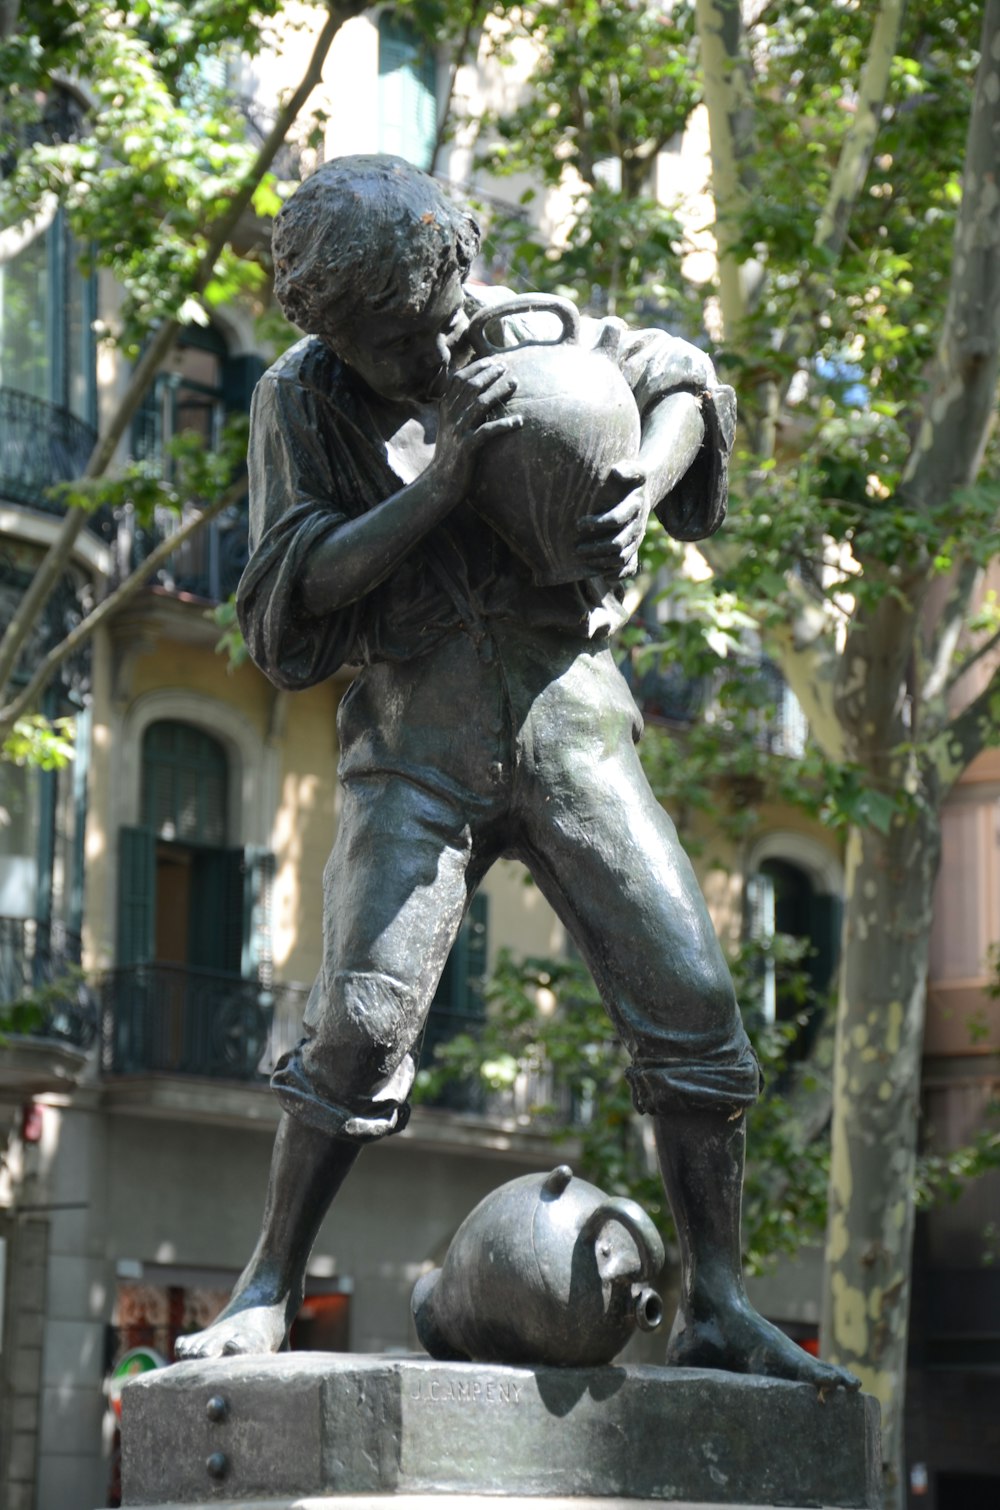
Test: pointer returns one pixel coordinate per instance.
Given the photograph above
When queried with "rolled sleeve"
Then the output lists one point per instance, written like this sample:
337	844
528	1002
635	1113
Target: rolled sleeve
656	365
292	510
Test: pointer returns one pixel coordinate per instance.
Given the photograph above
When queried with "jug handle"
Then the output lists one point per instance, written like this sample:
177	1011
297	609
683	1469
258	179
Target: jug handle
637	1223
550	304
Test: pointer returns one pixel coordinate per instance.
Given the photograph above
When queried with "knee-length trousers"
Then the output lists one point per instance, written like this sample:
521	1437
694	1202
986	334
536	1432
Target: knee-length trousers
522	746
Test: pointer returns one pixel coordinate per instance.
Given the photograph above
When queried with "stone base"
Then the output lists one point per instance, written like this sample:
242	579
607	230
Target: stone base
466	1501
326	1431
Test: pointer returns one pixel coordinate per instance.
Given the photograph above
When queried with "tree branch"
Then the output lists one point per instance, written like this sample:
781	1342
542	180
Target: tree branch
859	141
472	21
949	631
731	125
852	167
59	553
959	404
112	604
876	654
973	660
968	734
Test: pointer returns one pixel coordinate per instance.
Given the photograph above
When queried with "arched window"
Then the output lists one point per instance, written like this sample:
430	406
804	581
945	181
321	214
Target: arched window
407	91
184	784
187	896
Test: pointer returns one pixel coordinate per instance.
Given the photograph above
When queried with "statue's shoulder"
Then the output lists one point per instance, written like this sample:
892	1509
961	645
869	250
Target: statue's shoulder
308	364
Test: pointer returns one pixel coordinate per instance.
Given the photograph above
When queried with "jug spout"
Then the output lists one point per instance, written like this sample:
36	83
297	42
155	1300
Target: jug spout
647	1307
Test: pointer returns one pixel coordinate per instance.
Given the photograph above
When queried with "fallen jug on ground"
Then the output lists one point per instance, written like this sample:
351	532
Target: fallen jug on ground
547	1269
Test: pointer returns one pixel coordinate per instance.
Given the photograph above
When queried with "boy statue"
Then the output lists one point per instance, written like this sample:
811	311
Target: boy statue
488	718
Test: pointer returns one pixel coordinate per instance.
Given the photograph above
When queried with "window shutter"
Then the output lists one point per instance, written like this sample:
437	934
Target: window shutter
460	992
136	896
826	913
758	921
476	932
240	376
216	926
258	888
407	92
184	784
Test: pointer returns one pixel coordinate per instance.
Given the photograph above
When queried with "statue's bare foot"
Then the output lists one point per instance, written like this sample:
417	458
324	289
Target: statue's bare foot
735	1337
256	1320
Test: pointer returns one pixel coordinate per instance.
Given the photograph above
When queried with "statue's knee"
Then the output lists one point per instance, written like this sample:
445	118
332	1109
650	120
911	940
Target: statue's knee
372	1022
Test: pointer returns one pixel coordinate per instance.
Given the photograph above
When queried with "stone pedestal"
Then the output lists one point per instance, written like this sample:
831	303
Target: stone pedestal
323	1431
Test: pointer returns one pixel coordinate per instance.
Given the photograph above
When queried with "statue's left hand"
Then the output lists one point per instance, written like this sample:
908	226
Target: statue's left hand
608	542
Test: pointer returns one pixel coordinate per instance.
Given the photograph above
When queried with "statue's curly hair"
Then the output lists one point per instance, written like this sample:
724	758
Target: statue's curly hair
366	234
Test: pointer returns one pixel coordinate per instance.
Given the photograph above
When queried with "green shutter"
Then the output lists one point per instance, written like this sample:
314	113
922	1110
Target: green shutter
407	88
258	886
460	992
184	784
240	376
825	918
81	767
136	896
216	926
475	929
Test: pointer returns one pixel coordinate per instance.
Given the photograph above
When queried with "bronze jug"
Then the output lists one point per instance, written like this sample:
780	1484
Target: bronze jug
546	1269
580	418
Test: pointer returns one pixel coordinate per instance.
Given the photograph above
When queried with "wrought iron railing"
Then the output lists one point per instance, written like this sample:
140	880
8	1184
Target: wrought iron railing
175	1020
42	990
209	565
40	445
769	713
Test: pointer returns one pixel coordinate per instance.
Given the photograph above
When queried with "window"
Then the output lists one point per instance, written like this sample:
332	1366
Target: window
407	92
458	1005
47	310
18	840
200	385
782	897
184	784
192	993
187	397
967	892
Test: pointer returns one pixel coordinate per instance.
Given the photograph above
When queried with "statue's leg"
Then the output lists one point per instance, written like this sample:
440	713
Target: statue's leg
701	1154
395	891
307	1169
608	858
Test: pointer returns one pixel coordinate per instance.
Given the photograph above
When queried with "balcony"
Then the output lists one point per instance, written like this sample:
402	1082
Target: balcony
208	566
175	1022
769	713
164	1019
48	1016
40	445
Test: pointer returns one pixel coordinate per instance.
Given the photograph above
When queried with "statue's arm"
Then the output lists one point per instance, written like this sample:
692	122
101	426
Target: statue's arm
680	472
362	552
686	464
673	433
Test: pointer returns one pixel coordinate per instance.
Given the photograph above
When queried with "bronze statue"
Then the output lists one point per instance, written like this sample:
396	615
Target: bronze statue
488	718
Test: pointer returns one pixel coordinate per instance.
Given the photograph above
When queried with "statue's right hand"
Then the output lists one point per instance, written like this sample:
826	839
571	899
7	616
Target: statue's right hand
467	416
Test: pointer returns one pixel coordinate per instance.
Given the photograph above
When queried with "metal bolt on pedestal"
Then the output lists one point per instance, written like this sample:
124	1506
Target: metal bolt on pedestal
217	1465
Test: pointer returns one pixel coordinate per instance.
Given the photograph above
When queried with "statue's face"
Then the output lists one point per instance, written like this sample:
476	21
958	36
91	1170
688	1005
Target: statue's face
407	356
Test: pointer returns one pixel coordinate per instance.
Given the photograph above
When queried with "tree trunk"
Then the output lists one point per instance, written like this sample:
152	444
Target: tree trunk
890	883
